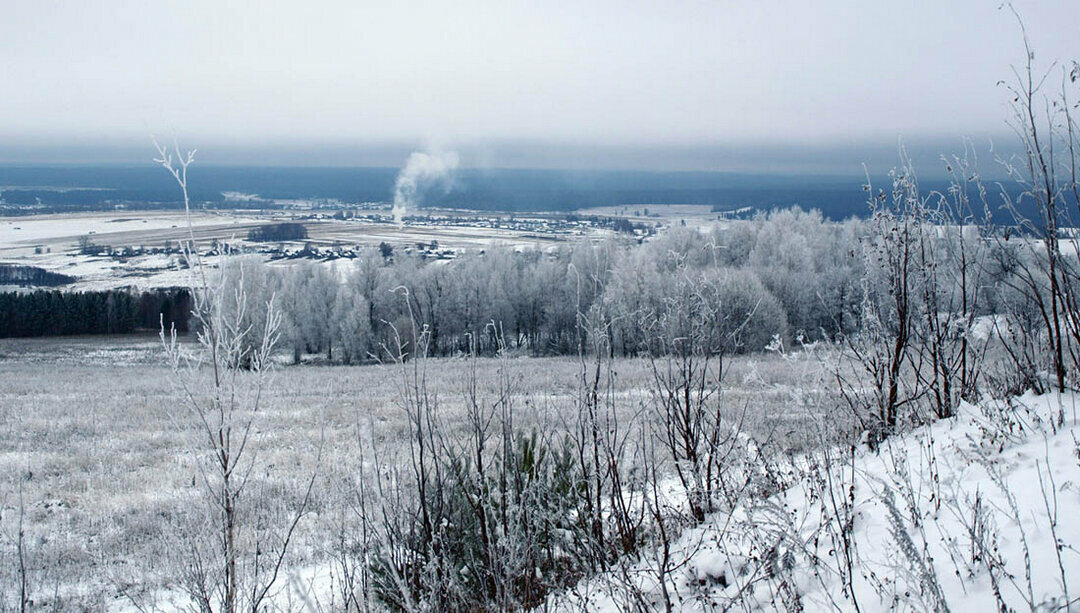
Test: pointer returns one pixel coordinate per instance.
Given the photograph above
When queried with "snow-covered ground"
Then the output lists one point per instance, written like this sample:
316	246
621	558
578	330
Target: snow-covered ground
52	242
937	517
973	513
19	234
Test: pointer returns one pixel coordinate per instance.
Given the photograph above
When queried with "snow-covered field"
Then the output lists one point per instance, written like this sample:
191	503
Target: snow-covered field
51	242
972	513
670	214
966	514
96	447
61	232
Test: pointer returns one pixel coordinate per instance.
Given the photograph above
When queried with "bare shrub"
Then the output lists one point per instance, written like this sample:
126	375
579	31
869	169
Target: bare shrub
1048	176
877	378
232	557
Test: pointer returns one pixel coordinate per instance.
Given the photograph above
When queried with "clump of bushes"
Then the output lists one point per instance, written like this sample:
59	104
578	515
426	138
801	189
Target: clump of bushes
277	232
494	535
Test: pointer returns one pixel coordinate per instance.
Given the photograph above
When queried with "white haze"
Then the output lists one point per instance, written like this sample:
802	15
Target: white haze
618	73
422	171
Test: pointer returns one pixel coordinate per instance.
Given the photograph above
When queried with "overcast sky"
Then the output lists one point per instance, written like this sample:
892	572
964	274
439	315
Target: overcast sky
670	84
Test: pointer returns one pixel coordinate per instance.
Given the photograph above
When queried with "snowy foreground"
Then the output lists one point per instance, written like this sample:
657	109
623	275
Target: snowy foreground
962	515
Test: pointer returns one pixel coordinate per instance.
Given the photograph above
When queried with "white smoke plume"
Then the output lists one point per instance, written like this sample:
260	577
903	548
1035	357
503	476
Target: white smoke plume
421	172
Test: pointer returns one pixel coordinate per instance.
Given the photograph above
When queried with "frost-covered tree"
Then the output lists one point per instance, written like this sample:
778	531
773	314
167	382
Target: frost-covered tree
352	321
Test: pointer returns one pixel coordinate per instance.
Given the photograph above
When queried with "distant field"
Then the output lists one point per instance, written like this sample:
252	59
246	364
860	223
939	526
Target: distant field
670	214
95	434
19	236
52	242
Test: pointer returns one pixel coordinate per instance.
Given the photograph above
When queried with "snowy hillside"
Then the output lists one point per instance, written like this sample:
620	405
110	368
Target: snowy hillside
974	513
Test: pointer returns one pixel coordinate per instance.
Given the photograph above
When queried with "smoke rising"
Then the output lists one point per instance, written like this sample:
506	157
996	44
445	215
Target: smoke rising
422	172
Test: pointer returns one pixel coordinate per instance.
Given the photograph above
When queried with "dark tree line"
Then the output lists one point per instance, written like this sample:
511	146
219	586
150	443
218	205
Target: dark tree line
31	275
286	231
57	313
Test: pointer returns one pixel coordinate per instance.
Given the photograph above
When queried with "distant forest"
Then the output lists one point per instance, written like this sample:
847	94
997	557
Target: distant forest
59	313
785	277
31	275
278	232
76	188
